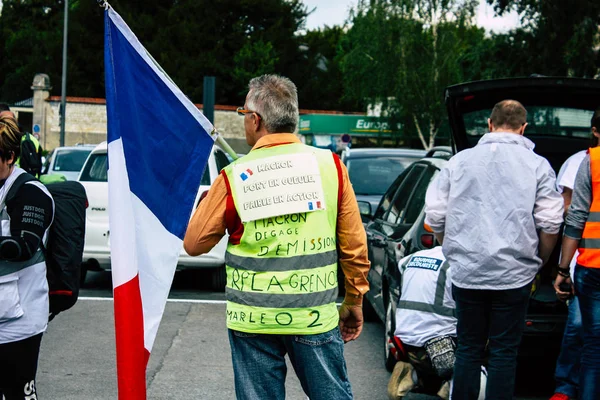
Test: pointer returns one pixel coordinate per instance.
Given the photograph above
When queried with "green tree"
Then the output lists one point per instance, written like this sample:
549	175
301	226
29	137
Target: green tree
188	38
400	55
559	38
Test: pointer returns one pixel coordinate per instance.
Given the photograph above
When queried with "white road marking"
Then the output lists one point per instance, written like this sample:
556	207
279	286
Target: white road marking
170	300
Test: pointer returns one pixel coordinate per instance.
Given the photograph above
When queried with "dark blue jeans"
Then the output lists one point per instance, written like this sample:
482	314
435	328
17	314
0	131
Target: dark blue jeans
495	317
260	370
587	286
568	363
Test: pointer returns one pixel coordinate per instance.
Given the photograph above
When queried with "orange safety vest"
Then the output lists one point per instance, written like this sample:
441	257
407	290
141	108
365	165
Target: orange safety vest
589	245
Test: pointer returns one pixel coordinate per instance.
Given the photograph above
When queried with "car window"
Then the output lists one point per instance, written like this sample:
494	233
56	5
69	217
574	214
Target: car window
386	201
205	176
398	208
46	165
221	160
417	200
96	169
70	160
373	175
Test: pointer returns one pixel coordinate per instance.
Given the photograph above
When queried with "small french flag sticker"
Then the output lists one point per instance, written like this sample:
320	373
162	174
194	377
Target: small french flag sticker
246	174
314	205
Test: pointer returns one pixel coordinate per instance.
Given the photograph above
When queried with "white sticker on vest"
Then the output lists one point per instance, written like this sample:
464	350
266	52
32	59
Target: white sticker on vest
278	185
425	263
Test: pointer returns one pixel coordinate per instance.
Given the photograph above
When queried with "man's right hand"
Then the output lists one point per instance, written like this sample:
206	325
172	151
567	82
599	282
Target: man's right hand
351	321
563	296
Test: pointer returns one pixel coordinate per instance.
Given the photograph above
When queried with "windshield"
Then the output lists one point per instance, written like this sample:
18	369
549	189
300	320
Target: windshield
96	169
541	121
70	160
373	176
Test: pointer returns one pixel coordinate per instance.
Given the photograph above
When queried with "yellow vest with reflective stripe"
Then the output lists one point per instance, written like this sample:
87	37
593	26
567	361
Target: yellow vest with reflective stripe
282	276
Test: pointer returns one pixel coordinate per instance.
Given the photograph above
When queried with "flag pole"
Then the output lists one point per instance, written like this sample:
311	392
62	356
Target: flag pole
224	145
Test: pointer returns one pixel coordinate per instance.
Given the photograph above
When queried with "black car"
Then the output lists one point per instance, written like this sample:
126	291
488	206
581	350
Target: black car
559	114
372	170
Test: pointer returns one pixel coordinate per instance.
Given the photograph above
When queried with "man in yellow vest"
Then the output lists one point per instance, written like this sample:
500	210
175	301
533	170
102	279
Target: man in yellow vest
582	233
292	216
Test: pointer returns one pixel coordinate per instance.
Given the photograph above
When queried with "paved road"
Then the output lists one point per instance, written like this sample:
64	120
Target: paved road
191	357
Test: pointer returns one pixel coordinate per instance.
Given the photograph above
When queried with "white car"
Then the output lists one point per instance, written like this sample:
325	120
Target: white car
96	252
67	161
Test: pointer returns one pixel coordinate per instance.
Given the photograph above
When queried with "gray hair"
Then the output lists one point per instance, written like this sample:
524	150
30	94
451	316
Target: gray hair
275	98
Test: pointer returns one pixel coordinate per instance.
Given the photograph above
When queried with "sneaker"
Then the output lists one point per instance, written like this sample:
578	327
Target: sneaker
401	381
560	396
444	392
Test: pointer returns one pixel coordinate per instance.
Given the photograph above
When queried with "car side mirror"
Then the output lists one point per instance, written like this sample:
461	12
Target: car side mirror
364	207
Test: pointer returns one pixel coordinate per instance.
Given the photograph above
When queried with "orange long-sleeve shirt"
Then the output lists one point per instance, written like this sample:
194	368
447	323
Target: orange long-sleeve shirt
208	226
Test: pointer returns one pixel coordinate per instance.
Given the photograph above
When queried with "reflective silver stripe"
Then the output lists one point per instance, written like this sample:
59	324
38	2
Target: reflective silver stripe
430	308
270	264
441	285
8	267
274	300
589	243
594	216
438	303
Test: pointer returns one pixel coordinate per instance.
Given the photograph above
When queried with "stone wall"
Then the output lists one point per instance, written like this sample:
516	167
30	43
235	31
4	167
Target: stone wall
86	123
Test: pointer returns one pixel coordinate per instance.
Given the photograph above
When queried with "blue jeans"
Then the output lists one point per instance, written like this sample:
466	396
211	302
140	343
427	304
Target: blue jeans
495	317
587	286
568	363
259	365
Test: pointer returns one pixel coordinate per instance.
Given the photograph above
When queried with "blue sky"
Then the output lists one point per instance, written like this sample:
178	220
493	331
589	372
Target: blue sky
334	12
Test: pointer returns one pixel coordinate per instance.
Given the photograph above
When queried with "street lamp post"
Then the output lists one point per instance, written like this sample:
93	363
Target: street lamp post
63	96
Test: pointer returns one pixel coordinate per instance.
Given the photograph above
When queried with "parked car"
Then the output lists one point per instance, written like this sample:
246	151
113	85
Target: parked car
96	253
371	171
67	161
559	114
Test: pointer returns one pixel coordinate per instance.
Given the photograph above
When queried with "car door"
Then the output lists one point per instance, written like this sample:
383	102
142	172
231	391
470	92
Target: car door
386	227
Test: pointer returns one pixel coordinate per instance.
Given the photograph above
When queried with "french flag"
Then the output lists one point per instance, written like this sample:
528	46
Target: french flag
158	147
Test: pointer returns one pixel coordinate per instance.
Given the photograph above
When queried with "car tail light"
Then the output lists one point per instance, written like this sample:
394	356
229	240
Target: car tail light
87	204
427	240
469	97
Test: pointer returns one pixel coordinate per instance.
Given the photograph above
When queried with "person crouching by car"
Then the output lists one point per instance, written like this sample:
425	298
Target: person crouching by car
26	217
425	327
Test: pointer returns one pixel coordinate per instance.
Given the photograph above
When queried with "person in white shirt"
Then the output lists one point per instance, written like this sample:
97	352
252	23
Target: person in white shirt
425	326
497	213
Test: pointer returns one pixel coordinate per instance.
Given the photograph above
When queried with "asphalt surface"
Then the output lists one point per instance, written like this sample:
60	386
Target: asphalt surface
190	358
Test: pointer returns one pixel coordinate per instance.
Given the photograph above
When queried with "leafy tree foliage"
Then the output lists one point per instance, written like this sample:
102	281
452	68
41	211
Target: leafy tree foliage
400	55
230	39
559	38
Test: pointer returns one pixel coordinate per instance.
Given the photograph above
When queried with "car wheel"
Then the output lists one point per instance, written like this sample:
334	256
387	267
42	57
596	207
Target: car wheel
390	328
219	279
83	273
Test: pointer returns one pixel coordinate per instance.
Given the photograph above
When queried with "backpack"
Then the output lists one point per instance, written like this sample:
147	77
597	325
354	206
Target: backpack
64	249
30	159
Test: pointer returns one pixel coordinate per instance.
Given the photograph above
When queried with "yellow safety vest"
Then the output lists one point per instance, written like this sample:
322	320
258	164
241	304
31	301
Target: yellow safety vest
282	276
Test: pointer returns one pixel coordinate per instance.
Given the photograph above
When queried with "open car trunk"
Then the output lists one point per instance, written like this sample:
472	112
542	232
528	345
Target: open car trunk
559	112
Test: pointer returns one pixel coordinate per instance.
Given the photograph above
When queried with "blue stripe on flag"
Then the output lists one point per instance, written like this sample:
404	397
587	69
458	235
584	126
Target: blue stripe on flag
166	148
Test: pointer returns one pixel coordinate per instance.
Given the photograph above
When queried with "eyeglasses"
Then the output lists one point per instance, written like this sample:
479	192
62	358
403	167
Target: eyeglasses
241	111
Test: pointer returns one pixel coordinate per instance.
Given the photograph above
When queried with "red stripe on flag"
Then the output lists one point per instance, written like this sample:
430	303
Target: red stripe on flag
132	357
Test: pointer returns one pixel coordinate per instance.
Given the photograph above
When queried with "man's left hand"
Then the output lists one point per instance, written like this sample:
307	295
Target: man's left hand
351	321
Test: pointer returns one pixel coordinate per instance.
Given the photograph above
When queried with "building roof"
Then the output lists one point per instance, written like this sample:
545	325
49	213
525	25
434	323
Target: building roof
24	103
218	107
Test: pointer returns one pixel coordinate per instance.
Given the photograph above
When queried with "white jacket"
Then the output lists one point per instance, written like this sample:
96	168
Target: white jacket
24	304
426	308
490	201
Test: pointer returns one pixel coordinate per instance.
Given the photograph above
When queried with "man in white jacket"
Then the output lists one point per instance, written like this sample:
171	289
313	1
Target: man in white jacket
497	213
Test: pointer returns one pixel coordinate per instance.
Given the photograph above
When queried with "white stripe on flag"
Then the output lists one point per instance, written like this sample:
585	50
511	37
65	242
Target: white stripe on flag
149	244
